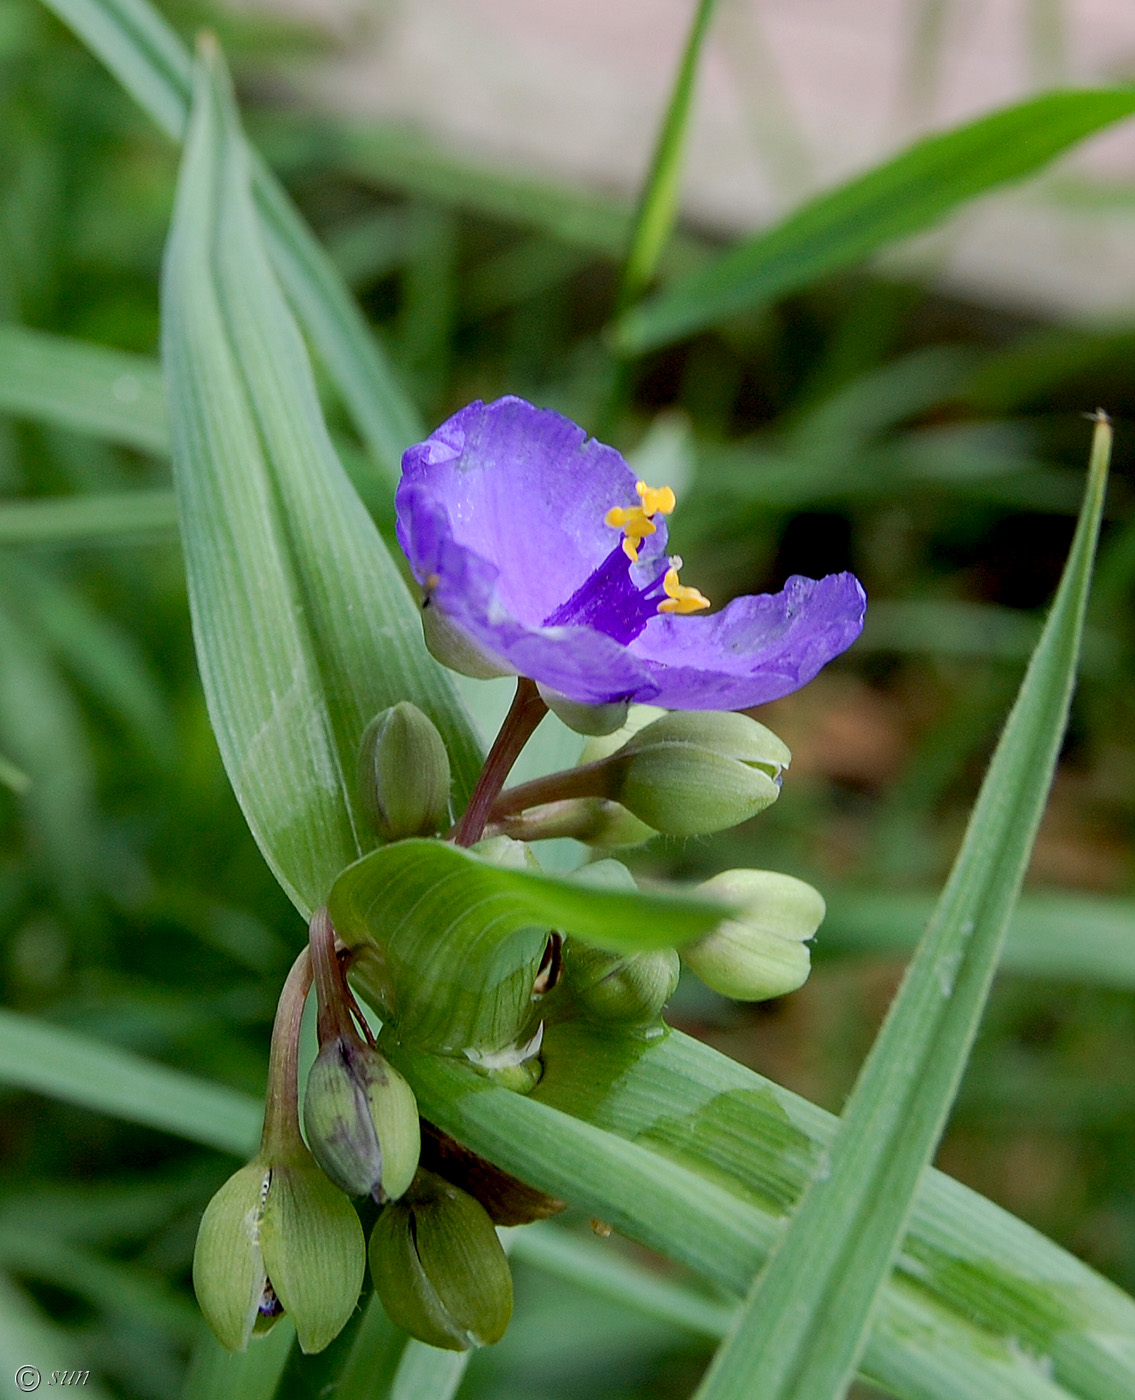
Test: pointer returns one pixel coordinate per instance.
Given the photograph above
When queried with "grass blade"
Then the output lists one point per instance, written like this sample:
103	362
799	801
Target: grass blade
805	1320
150	61
843	226
88	519
304	628
594	1267
658	207
217	1374
13	777
86	388
1074	937
52	1060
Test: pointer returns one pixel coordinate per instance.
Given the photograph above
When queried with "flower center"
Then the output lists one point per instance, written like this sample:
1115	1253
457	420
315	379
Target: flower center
636	522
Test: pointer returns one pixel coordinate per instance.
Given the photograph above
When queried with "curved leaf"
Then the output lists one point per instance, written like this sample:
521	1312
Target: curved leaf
460	939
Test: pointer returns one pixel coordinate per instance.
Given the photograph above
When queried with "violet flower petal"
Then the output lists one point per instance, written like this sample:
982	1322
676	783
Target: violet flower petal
501	513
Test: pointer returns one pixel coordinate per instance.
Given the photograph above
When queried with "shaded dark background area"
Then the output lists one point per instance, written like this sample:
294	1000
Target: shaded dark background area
934	446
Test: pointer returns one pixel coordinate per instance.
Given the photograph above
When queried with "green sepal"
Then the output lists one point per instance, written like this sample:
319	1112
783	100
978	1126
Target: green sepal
439	1268
282	1224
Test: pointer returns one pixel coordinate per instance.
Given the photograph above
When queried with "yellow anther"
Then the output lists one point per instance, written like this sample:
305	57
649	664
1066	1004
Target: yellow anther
679	598
635	521
655	499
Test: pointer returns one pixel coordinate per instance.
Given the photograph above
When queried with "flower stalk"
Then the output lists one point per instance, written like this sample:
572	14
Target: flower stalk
527	710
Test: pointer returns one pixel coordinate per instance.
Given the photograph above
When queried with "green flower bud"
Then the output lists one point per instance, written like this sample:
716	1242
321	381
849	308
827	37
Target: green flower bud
361	1121
692	773
439	1269
762	953
278	1237
585	719
618	990
603	746
404	773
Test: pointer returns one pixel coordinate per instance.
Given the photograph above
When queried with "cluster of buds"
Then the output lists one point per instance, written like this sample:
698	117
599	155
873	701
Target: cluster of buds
282	1234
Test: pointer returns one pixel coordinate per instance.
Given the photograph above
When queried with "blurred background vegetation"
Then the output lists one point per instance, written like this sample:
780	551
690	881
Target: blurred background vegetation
933	446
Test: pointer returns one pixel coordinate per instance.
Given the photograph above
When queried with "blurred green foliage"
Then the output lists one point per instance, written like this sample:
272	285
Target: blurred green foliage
934	447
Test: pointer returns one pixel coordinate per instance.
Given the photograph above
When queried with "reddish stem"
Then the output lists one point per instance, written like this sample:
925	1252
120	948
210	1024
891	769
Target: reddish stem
526	712
281	1132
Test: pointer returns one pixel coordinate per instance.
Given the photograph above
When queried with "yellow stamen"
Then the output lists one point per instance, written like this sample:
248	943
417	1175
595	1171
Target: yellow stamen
679	598
635	521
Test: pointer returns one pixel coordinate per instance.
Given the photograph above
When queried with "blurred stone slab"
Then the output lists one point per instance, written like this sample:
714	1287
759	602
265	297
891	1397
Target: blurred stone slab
794	96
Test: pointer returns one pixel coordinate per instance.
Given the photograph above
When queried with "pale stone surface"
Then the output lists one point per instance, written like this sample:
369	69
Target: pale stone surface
794	95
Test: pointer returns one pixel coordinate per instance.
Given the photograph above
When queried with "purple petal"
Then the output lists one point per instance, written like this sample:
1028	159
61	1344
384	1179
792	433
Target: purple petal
525	489
756	649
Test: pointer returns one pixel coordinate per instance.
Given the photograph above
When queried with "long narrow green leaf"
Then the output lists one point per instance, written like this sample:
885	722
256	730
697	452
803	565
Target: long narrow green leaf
13	777
79	519
31	1347
374	1357
698	1124
1076	937
152	64
658	207
217	1374
303	626
806	1318
89	388
52	1060
846	225
597	1269
722	1230
425	1373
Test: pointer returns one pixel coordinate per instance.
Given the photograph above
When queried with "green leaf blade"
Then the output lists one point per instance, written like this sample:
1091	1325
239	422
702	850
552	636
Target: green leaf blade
901	197
303	626
460	939
806	1318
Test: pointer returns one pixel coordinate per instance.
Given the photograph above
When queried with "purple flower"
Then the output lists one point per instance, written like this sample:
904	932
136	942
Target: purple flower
503	515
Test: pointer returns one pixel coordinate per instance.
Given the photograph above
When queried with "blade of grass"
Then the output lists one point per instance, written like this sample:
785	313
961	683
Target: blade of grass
88	519
658	206
425	1373
28	1339
88	388
52	1060
303	626
1074	937
596	1268
217	1374
805	1321
843	226
919	1349
146	56
12	777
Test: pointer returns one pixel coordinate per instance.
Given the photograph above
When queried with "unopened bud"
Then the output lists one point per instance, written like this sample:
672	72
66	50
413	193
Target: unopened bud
585	719
762	953
278	1237
361	1121
691	773
439	1268
618	990
603	746
404	773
